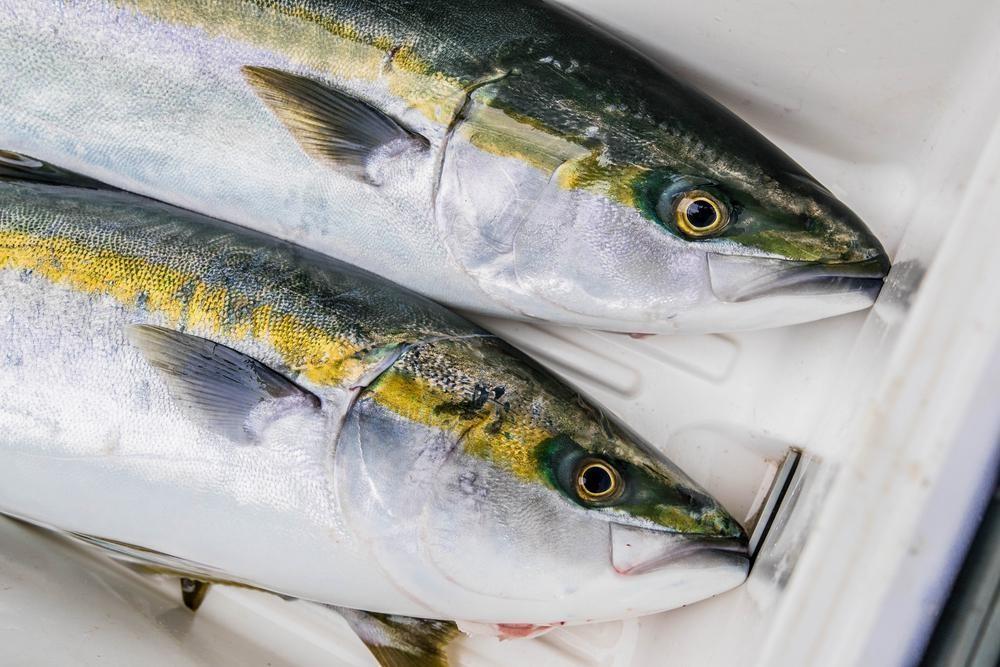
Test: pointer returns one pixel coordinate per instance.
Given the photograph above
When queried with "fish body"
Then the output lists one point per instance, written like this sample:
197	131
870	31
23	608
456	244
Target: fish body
233	408
506	158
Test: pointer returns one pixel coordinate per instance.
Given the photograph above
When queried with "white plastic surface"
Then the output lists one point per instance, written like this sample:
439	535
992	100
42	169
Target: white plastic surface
893	105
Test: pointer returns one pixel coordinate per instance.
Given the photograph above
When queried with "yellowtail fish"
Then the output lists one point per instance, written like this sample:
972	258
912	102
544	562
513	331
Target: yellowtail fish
217	404
502	157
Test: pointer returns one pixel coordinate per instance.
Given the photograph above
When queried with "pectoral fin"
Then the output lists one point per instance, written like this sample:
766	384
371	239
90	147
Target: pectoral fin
329	125
401	641
220	385
24	168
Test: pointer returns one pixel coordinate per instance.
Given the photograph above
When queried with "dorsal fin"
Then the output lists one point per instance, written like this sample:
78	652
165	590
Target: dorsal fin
219	385
19	167
330	126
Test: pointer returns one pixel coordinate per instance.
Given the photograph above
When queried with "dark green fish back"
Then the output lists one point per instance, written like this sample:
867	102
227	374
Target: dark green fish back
564	74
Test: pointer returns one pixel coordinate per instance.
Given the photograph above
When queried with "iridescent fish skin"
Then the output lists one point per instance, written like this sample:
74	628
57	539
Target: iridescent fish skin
503	157
234	408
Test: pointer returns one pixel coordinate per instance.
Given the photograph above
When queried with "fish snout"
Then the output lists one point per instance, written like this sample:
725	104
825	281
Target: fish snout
636	551
736	279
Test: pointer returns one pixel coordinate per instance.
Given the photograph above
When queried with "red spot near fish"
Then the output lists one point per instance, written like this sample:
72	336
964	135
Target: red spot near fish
522	630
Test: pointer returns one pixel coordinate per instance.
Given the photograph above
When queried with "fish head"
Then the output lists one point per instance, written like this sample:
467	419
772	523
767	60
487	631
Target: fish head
712	230
606	193
492	493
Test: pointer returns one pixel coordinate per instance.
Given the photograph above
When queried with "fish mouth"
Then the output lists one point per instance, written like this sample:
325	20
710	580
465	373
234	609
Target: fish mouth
742	279
636	551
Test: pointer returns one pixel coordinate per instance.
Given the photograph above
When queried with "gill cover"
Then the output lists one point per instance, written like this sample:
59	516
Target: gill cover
512	210
496	171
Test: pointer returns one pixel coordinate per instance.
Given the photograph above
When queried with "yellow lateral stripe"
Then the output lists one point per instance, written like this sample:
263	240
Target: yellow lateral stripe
512	445
331	47
589	173
496	132
324	359
183	299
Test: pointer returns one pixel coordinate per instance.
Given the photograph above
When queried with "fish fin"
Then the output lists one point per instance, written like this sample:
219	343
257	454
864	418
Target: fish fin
220	385
152	561
195	578
24	168
329	125
401	641
193	592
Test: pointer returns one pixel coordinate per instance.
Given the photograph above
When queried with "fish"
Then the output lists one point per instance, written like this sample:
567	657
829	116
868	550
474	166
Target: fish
230	408
504	158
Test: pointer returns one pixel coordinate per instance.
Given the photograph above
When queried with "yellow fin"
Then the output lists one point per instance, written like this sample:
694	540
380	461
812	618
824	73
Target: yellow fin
329	125
401	641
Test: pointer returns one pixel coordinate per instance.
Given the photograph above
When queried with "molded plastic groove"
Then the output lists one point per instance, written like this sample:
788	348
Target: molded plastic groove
779	488
710	358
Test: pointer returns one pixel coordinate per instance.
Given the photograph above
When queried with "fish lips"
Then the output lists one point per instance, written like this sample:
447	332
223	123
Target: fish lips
636	551
736	279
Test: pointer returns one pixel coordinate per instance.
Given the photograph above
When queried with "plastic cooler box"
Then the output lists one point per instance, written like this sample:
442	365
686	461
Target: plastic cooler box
893	105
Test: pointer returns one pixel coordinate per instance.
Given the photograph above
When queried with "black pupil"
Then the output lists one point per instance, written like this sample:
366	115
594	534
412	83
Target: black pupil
701	214
596	480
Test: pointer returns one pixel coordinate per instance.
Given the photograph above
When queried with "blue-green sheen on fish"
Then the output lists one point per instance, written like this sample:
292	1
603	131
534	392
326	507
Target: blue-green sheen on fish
502	157
224	406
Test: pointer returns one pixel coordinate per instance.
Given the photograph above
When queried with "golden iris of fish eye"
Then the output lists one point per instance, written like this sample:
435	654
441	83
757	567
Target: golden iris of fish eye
687	225
614	486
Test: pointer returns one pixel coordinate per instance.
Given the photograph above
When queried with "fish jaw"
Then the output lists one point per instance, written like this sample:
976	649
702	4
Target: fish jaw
636	551
737	280
665	571
748	293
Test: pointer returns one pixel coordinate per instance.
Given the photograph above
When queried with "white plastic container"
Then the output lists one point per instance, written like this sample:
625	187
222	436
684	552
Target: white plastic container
893	105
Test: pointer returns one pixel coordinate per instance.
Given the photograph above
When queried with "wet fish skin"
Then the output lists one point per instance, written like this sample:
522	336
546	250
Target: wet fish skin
546	164
234	408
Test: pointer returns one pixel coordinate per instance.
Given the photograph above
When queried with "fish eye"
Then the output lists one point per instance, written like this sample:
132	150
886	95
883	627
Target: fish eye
700	214
597	481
